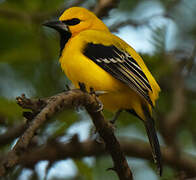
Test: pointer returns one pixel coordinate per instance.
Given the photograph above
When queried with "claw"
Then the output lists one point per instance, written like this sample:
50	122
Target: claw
96	94
100	106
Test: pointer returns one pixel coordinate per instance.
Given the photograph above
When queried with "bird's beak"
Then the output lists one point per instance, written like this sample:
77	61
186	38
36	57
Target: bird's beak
57	25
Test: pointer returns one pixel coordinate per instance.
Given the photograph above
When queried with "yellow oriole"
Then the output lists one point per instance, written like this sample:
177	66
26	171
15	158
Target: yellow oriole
92	55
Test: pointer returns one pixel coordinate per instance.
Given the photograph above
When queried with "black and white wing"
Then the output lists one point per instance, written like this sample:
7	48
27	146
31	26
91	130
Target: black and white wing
121	66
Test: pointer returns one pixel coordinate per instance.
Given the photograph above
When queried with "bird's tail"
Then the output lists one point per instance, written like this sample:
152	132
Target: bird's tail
154	142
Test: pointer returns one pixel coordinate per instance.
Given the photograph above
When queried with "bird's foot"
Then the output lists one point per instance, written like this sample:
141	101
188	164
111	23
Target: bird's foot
82	87
96	94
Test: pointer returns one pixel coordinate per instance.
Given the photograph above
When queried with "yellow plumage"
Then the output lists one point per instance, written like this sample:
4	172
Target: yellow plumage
79	68
90	54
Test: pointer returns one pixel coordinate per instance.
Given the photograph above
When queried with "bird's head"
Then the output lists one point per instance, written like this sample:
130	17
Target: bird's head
77	19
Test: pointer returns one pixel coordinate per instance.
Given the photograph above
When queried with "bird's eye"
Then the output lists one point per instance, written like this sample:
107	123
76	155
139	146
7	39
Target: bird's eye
72	22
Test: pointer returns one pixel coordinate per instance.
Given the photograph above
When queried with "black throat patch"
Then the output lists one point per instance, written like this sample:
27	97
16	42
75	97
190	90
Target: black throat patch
64	37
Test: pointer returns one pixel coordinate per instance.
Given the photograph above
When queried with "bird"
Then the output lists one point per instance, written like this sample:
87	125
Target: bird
91	54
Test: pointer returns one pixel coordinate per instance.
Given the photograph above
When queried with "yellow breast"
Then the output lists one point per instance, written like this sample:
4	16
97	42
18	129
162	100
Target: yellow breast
79	68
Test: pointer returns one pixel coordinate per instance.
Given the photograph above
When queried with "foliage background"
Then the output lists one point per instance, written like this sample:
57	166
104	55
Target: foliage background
163	31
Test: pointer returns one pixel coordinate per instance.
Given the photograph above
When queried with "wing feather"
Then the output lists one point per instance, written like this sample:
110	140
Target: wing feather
121	66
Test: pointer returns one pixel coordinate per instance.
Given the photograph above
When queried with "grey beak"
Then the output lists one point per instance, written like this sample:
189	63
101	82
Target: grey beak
57	25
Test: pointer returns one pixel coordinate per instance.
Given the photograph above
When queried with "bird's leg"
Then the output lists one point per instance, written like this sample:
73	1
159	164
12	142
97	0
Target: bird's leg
82	87
117	114
93	93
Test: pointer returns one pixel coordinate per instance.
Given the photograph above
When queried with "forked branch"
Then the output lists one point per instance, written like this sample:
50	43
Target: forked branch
44	109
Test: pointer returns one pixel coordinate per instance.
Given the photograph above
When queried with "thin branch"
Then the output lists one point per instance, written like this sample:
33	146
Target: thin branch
104	6
47	108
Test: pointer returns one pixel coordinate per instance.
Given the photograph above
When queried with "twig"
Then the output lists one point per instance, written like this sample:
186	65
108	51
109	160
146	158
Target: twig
59	102
104	6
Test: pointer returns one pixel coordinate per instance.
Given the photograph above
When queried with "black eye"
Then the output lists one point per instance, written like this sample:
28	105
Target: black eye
72	22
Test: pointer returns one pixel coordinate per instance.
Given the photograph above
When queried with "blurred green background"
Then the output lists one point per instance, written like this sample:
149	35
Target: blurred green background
162	31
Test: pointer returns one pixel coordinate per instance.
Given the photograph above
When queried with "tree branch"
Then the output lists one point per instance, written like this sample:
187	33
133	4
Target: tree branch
43	109
54	151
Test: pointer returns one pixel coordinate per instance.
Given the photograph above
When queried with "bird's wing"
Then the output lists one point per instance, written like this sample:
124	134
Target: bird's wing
121	66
